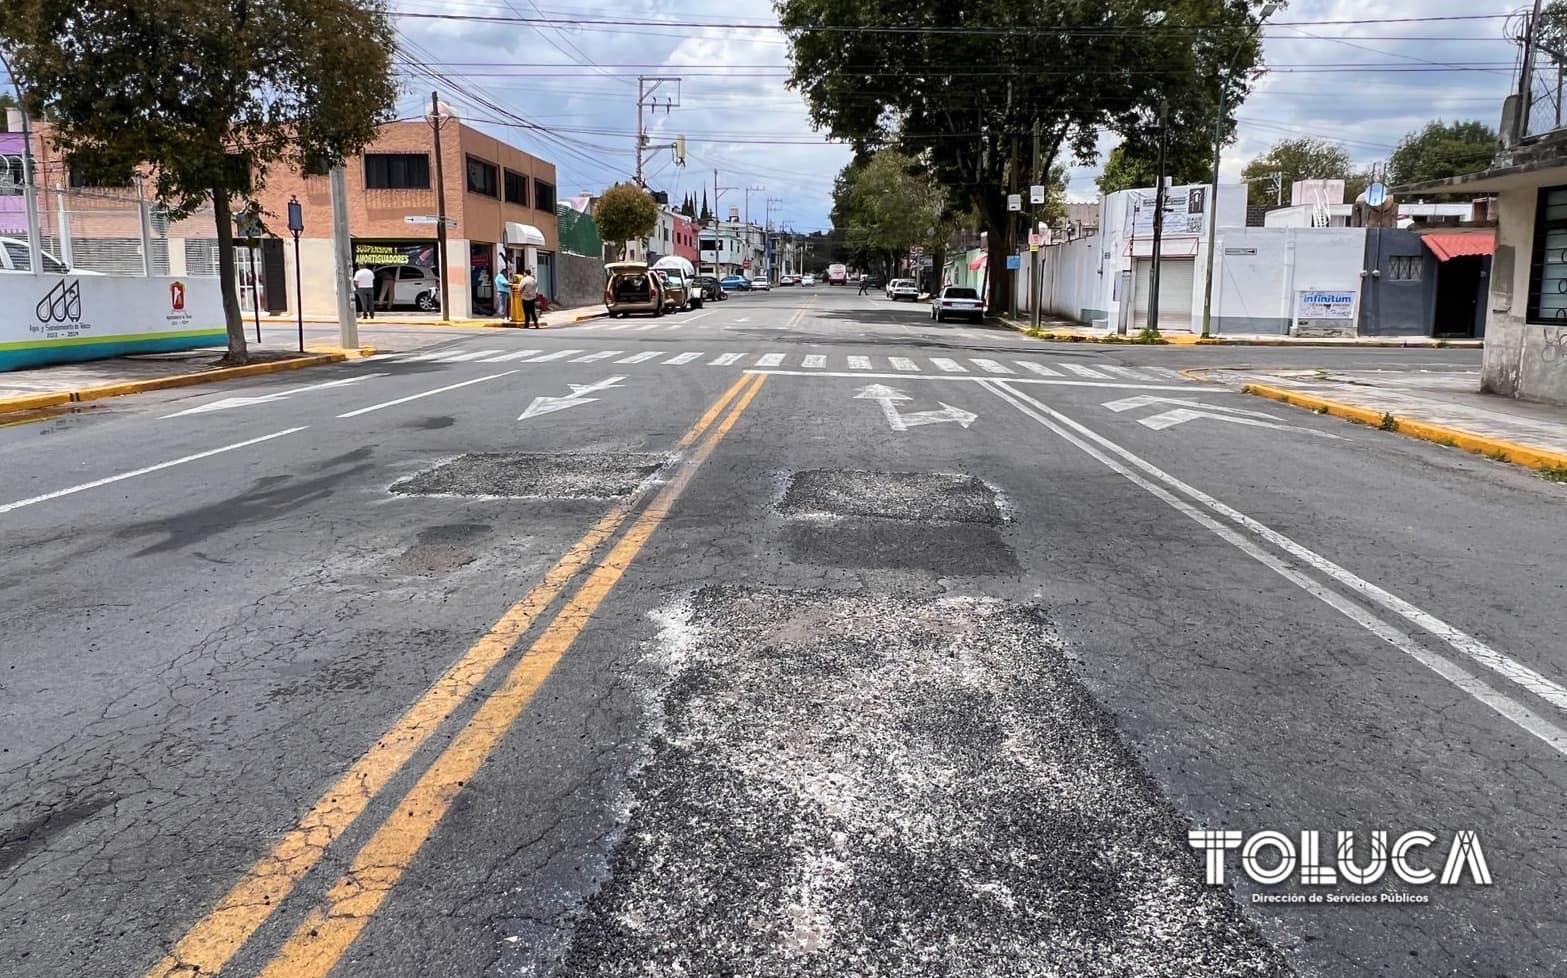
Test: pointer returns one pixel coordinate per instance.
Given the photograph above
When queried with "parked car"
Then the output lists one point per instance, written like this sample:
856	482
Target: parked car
788	280
680	280
632	287
407	285
957	301
735	283
13	258
808	280
903	288
712	288
761	285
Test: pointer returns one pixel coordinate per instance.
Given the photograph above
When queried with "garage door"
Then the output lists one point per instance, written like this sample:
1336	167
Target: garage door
1176	280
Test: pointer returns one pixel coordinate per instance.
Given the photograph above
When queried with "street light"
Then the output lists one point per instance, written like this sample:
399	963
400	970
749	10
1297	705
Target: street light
1267	11
438	116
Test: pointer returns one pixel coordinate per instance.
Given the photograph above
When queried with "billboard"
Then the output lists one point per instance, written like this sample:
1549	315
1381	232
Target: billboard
1185	210
63	318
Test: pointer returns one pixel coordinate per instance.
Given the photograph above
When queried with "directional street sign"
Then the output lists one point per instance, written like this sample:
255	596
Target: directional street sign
549	405
451	222
1194	410
888	398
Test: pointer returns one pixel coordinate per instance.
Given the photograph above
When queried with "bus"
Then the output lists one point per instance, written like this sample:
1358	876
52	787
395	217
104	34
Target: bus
837	275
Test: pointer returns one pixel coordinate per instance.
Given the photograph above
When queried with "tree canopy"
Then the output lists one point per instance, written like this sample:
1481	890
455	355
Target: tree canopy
1135	163
1299	159
204	96
963	87
625	213
1442	150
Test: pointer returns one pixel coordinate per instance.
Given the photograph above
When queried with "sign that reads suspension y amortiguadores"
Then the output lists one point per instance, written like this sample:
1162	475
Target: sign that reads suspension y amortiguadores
59	318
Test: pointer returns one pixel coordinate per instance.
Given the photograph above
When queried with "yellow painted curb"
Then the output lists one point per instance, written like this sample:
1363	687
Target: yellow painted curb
1494	448
33	401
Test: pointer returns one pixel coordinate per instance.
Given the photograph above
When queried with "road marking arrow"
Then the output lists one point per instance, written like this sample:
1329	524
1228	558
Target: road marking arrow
549	405
1147	400
888	398
224	404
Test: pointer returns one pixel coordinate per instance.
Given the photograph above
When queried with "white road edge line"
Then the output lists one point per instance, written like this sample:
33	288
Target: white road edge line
1527	720
8	507
415	397
973	379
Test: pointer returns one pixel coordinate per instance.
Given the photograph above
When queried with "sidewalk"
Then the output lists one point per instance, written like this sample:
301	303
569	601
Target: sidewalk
555	317
1442	406
1063	331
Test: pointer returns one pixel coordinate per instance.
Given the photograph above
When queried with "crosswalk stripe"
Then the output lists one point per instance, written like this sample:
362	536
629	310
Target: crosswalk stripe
427	357
514	355
903	363
990	366
950	366
557	355
859	363
814	360
1129	372
769	359
1164	372
725	360
600	355
1083	371
640	357
644	329
1037	368
680	358
469	355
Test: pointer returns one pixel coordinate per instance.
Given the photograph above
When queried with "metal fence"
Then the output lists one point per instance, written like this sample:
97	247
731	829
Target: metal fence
110	231
1543	82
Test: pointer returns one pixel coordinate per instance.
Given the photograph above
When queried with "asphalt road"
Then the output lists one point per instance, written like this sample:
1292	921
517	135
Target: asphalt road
795	636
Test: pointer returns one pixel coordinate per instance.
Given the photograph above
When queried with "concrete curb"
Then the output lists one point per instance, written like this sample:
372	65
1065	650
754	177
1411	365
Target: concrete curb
1187	339
32	402
1493	448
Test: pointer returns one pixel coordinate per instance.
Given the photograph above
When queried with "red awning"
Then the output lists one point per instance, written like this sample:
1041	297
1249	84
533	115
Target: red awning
1456	244
978	261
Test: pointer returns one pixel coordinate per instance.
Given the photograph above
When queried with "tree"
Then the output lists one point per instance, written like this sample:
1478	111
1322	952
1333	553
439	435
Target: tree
625	213
7	103
1134	164
1296	159
206	95
707	213
962	87
1442	150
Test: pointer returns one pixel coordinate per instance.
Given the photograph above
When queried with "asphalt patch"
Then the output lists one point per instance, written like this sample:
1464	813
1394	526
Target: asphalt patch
924	497
521	475
844	785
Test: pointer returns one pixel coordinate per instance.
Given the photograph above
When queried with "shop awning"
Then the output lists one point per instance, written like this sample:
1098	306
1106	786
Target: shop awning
523	234
978	261
1456	244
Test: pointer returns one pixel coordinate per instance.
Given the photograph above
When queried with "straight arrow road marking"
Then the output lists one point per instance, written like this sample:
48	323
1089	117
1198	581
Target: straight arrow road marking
888	398
1170	419
1144	400
245	401
549	405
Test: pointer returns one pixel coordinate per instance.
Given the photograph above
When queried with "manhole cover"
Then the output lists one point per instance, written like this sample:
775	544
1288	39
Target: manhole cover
925	497
588	476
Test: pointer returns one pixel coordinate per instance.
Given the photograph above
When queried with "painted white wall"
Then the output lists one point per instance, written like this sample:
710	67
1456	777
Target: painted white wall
1255	293
1521	358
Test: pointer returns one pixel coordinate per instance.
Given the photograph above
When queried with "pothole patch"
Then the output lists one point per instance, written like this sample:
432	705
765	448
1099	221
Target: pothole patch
918	497
528	476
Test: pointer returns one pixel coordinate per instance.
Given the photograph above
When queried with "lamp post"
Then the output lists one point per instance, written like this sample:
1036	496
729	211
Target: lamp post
296	224
438	116
1218	148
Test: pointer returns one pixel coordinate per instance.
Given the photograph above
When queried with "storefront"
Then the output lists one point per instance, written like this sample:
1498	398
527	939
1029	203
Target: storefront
524	246
481	277
407	272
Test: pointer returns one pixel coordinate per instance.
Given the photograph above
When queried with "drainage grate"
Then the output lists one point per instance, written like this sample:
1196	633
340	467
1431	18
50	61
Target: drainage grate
924	497
586	476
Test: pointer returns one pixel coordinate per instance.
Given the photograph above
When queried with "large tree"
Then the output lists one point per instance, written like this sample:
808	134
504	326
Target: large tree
1442	150
891	206
964	87
1298	159
1134	164
625	213
204	96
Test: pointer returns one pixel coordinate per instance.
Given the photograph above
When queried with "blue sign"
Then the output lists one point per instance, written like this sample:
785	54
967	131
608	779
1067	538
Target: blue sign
1014	262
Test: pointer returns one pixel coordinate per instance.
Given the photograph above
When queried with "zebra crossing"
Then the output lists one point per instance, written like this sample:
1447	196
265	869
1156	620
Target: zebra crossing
848	363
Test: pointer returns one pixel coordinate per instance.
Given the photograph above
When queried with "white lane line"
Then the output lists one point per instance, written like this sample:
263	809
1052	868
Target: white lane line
557	355
769	359
1117	385
694	317
8	507
652	325
1476	650
680	358
949	366
990	366
600	355
1037	368
743	319
415	397
470	355
903	363
725	360
243	400
814	360
1083	371
859	363
640	357
515	355
1131	373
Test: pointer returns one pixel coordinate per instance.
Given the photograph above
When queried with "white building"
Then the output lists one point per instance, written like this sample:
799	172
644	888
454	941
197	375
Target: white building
725	248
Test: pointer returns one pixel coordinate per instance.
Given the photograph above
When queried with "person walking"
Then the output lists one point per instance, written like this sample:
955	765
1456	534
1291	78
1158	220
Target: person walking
364	291
529	287
502	293
865	284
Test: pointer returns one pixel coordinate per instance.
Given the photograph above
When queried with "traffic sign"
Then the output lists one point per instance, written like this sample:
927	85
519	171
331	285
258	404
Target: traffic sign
1014	262
450	222
1014	202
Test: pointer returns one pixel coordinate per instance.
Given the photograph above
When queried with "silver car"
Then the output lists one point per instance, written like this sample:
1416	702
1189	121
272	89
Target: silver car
957	301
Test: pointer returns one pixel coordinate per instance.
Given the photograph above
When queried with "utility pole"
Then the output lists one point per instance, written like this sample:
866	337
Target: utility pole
648	87
1158	218
1036	292
718	193
342	257
748	192
438	116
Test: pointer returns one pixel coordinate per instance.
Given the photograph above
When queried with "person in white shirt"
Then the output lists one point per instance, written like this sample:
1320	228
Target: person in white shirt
364	289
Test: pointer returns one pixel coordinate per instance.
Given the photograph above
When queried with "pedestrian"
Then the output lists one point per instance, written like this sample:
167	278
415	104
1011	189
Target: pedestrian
529	287
865	284
364	291
502	293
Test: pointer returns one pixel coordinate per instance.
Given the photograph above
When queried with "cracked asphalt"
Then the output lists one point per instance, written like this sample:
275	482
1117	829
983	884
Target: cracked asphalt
834	698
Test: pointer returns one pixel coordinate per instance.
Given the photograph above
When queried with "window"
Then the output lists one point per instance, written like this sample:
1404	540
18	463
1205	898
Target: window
1406	268
543	196
516	188
397	171
82	172
481	178
1548	265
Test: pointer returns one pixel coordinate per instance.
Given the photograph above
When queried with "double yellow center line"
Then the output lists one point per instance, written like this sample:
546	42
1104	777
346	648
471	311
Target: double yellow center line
317	944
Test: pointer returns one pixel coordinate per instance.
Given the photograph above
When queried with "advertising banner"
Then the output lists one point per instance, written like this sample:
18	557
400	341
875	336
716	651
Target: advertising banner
380	254
56	319
1320	307
1185	208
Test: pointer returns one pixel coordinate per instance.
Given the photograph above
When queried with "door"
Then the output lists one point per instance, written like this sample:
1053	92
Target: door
1395	286
1176	278
1458	291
